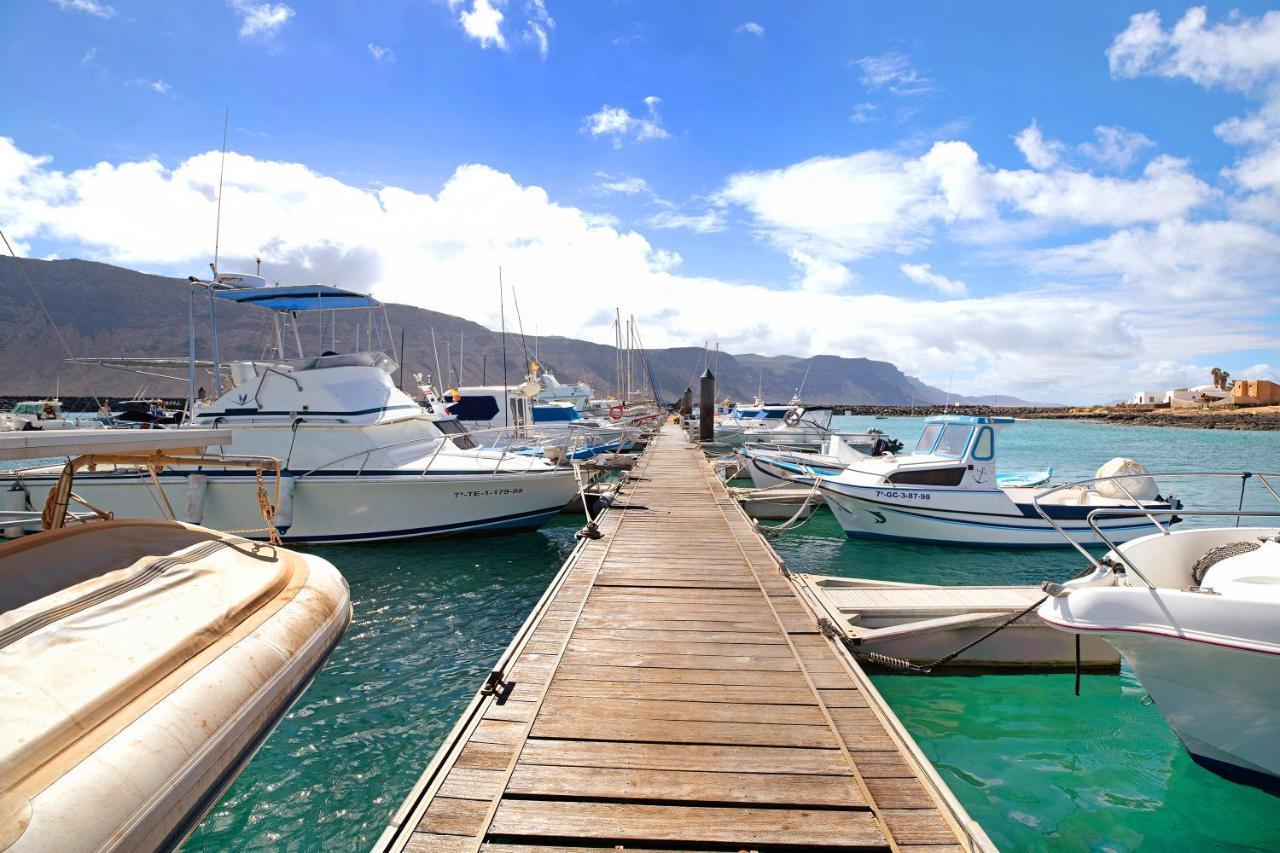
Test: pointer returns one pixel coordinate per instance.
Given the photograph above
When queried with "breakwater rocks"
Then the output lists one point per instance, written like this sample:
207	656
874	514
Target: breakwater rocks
1239	419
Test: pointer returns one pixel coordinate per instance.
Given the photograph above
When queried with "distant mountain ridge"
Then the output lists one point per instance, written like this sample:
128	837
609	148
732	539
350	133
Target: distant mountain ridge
108	311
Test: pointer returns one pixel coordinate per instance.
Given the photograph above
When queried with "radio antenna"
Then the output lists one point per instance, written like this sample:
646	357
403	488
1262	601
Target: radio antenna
217	227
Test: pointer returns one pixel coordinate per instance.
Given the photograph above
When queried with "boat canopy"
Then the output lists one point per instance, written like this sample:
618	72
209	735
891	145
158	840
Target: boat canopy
299	297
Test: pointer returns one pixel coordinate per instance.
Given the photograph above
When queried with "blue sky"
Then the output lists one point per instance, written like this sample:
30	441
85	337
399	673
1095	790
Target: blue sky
1064	202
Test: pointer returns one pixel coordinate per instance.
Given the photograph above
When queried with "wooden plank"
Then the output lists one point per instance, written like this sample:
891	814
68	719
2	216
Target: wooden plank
708	693
620	822
587	727
664	756
450	816
649	709
683	675
679	647
678	661
692	636
684	785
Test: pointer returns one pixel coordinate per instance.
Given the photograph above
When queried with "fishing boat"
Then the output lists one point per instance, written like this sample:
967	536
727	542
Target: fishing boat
518	410
43	414
362	460
1196	615
143	662
946	492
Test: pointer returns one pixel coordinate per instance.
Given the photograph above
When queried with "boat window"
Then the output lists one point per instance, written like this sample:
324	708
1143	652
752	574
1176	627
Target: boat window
458	433
985	447
482	407
954	440
929	477
928	438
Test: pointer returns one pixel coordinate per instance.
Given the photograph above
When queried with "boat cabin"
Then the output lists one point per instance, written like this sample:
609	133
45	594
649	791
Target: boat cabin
953	450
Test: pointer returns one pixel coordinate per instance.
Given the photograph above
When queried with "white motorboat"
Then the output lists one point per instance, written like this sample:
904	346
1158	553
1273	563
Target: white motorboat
143	662
947	492
1196	615
517	410
362	461
39	415
771	466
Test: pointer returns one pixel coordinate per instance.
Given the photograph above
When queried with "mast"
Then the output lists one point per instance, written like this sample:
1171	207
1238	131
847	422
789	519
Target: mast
502	312
191	352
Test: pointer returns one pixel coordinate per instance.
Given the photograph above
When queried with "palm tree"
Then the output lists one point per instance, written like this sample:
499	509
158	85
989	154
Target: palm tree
1217	377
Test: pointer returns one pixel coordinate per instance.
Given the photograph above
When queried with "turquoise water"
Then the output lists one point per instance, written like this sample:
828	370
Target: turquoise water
1034	764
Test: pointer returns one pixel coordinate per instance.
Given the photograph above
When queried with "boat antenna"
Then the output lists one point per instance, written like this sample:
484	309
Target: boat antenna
440	377
217	223
800	390
524	343
950	382
502	313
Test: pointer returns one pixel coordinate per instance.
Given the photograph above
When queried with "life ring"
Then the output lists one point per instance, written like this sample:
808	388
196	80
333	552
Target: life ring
615	412
792	417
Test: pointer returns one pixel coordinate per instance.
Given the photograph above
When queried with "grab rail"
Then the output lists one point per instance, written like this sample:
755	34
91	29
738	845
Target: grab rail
1140	507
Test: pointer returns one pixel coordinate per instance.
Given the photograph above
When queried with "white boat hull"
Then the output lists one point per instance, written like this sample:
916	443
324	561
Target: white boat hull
1222	702
337	508
979	518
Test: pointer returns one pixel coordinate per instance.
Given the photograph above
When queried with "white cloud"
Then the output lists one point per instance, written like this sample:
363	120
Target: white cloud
1240	54
1116	147
623	184
924	274
1177	260
308	226
89	56
381	54
158	86
1041	153
618	124
261	20
751	28
483	22
89	7
894	72
863	113
707	222
1257	371
539	25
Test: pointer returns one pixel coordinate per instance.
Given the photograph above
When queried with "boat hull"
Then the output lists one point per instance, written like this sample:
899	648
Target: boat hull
986	518
144	776
335	508
1222	702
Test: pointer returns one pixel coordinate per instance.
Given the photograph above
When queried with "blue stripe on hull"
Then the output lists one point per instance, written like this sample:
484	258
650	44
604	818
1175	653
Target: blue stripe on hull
1236	773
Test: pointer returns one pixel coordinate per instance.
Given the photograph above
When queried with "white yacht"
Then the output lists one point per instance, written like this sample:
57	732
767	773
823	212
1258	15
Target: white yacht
948	492
143	662
39	415
362	460
518	410
1196	615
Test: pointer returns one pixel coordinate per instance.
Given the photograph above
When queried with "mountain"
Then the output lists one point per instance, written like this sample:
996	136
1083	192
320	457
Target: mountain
106	311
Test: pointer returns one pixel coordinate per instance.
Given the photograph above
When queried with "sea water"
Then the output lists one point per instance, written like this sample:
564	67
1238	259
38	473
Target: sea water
1034	764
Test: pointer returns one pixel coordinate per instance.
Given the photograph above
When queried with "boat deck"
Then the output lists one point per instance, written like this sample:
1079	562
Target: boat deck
672	691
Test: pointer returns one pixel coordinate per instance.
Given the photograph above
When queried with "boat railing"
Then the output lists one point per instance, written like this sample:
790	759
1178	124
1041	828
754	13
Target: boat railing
1140	507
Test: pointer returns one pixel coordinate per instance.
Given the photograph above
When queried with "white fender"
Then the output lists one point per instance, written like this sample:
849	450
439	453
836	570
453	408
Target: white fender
284	512
197	487
15	500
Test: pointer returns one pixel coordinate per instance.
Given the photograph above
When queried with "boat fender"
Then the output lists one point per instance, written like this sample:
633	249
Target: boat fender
197	486
15	500
283	518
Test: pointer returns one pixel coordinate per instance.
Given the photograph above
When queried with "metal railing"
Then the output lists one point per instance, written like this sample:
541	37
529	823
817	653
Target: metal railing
1143	508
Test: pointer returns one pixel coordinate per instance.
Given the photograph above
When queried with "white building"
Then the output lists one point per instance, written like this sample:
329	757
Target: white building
1148	398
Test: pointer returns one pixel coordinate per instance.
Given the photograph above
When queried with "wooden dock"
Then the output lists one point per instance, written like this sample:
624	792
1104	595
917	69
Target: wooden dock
672	691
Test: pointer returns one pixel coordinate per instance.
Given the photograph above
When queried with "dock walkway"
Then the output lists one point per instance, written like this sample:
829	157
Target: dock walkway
672	691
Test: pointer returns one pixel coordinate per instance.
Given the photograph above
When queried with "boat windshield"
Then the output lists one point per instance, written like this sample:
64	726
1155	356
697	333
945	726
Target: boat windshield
954	441
928	438
461	438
